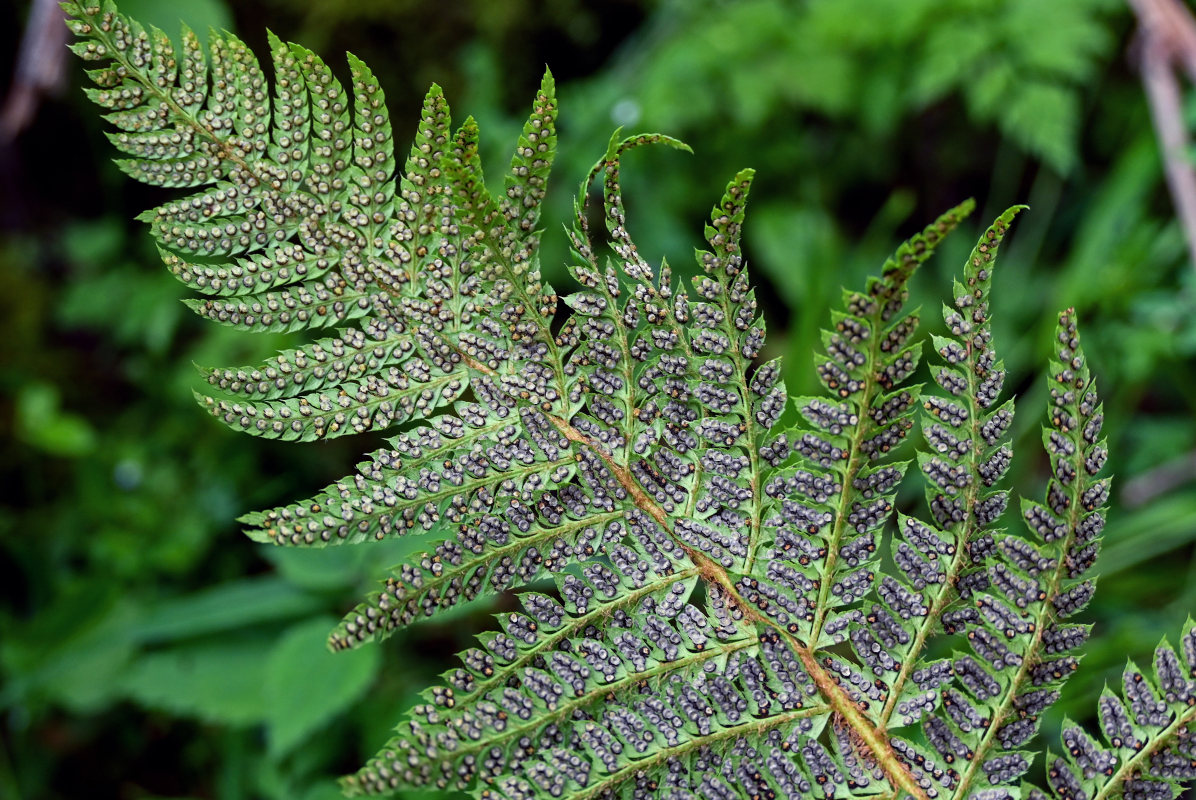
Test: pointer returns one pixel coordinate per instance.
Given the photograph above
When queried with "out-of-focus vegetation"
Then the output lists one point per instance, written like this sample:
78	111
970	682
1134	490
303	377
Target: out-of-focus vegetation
148	650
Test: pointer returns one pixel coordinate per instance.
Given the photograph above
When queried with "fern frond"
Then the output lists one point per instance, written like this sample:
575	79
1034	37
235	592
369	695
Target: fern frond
825	512
622	340
721	622
297	224
967	457
553	675
964	430
1021	646
639	467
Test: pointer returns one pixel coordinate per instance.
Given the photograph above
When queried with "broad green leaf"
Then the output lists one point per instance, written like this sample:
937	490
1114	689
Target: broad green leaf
217	682
238	604
306	685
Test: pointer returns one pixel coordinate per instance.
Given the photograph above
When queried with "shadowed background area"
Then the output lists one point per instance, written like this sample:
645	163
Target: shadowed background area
147	649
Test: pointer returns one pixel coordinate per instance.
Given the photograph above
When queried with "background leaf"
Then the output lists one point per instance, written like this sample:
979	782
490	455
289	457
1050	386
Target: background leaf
306	684
215	682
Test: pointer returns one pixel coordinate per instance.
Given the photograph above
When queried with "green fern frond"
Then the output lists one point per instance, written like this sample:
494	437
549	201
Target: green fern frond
830	506
965	458
720	622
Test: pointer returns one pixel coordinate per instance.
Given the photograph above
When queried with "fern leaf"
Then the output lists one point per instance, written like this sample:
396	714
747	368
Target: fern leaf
828	508
461	463
622	343
1021	647
720	622
638	698
303	187
637	466
967	458
960	487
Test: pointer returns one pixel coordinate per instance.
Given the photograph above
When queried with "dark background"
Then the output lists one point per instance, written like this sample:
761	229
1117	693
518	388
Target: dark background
147	649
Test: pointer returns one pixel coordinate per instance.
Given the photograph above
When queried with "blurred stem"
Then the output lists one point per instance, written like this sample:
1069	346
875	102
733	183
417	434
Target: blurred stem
1167	42
39	68
1159	480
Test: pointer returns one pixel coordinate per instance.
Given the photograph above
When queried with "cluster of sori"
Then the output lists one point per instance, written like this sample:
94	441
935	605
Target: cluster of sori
714	618
355	355
663	382
1149	749
673	682
938	566
486	459
382	398
1018	589
834	488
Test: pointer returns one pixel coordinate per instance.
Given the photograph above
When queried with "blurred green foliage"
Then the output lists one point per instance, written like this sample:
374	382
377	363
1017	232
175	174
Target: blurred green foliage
147	650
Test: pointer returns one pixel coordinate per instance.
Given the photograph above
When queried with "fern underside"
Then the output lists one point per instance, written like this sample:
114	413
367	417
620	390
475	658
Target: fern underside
713	604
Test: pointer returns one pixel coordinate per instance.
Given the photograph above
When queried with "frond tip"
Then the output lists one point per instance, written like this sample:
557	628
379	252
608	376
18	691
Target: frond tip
706	610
